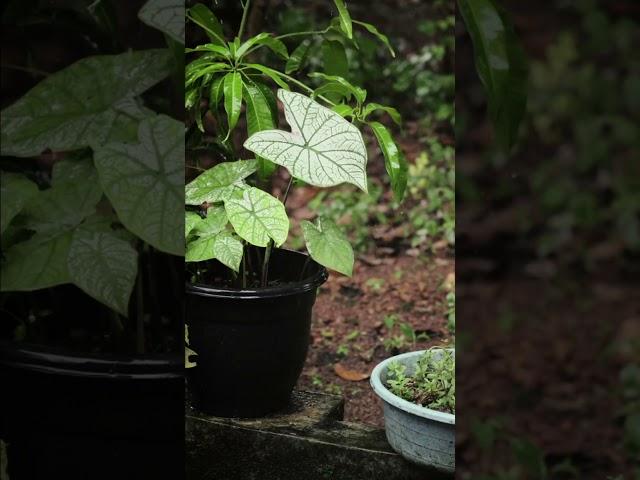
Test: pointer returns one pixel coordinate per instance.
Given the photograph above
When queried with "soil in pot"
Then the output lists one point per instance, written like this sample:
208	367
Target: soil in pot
251	344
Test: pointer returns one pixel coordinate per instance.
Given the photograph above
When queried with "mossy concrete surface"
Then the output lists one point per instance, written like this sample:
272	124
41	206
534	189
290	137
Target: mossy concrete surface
308	441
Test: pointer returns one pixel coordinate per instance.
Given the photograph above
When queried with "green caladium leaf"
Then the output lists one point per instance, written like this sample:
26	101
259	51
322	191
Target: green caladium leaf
103	266
73	196
258	217
345	19
233	97
15	192
224	247
259	118
215	221
500	63
328	246
144	182
166	16
394	161
85	104
219	182
40	262
190	221
323	149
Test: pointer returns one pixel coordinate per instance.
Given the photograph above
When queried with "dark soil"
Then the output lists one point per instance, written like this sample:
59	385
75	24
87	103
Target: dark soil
412	288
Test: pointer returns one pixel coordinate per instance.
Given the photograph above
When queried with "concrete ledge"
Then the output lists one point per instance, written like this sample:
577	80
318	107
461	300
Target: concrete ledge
309	441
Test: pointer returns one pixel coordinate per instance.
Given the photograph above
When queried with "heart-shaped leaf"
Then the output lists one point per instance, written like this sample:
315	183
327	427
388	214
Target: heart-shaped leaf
258	217
73	196
214	222
80	105
323	149
145	180
15	191
328	246
104	267
219	182
40	262
223	246
166	16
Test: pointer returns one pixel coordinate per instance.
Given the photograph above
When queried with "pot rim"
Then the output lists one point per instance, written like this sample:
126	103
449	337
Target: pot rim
385	394
110	366
293	288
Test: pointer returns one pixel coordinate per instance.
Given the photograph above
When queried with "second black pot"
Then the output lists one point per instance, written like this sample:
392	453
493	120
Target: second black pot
251	344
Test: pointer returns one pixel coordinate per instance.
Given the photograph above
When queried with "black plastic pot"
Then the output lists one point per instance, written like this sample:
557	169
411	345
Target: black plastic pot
251	344
91	417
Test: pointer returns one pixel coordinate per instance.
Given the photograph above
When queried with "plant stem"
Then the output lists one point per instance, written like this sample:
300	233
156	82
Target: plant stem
244	18
297	34
265	264
140	340
286	192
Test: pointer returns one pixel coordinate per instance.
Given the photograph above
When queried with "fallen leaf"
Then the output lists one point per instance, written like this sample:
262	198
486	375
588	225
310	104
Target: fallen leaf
350	375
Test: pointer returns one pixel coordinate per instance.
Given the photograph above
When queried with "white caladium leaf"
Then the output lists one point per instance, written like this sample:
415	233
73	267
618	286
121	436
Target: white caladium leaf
40	262
104	267
144	182
322	149
219	182
223	246
328	246
15	191
85	104
165	15
258	217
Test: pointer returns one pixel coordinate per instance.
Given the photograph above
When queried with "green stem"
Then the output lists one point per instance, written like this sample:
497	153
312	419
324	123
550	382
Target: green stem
265	264
244	265
309	32
244	18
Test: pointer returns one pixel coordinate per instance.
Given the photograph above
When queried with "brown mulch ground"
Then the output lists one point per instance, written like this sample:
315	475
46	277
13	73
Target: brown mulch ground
412	288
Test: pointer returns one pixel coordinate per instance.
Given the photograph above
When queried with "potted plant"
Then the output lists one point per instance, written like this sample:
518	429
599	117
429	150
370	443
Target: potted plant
418	394
91	339
249	300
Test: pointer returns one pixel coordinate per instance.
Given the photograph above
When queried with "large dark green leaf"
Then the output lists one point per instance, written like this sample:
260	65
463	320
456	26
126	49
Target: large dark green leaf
500	63
165	15
335	59
394	161
145	182
85	104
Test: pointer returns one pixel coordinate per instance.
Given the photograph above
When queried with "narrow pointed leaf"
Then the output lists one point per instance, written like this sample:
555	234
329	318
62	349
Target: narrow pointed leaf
166	16
394	161
374	31
216	93
233	97
258	217
298	57
201	15
219	50
104	267
271	73
328	246
82	105
345	18
500	63
393	113
265	39
259	118
219	182
342	110
15	192
322	149
144	182
359	93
